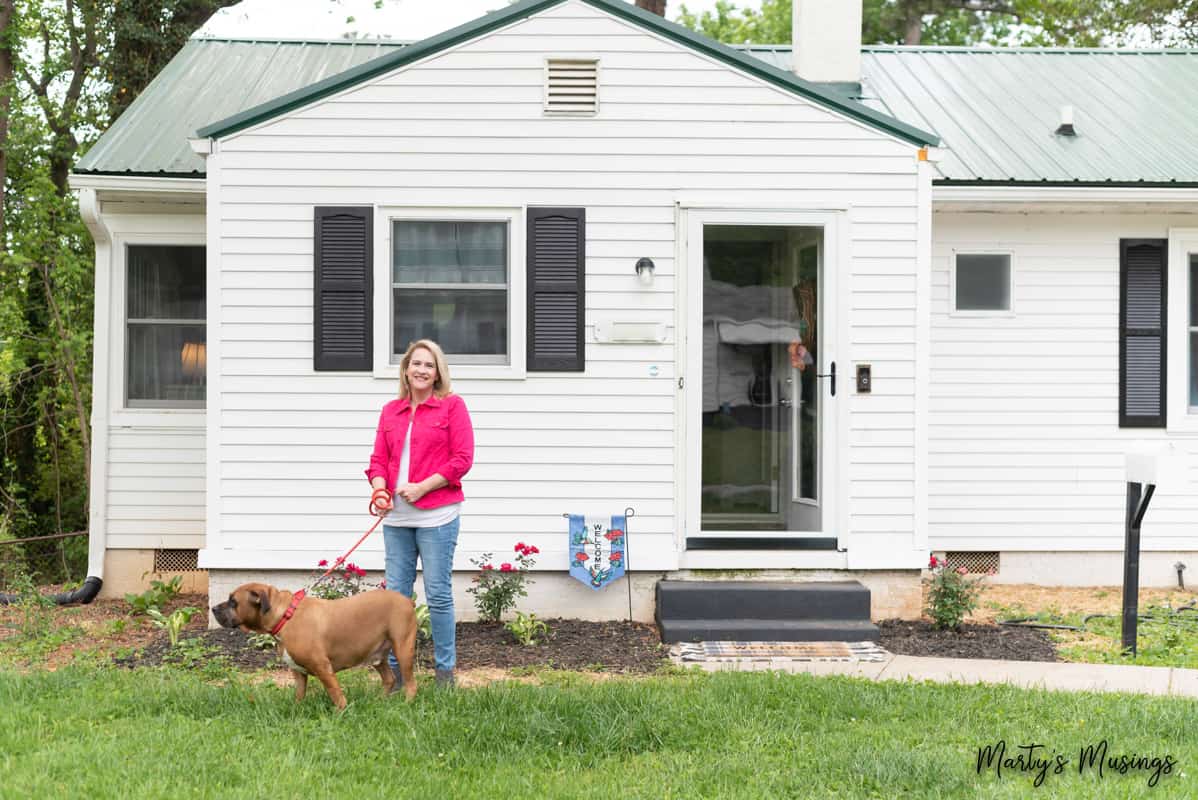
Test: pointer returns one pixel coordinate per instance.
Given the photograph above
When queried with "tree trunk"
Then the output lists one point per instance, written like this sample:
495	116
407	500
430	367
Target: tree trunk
7	37
913	27
657	7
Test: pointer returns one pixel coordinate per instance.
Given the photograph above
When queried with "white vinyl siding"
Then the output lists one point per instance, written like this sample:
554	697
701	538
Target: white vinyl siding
1025	449
466	129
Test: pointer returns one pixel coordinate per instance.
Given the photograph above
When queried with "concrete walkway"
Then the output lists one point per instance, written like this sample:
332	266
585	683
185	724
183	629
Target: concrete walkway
1026	674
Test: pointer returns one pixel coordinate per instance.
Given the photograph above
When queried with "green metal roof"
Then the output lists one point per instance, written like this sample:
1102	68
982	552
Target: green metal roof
215	87
210	79
996	110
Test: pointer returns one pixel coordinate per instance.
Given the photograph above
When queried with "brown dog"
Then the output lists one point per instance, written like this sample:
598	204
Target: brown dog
323	637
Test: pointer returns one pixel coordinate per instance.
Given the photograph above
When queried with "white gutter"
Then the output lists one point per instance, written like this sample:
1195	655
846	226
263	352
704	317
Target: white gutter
138	183
98	502
1063	194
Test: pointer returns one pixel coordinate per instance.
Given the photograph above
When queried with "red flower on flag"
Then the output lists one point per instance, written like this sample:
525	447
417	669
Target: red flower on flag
614	533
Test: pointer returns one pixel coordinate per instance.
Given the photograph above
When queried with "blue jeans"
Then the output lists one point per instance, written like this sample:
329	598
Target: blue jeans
435	547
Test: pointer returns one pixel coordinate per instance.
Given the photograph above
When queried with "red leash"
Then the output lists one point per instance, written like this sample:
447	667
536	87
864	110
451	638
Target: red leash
378	509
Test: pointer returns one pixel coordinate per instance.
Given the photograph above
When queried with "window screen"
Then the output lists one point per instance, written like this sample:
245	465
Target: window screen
983	282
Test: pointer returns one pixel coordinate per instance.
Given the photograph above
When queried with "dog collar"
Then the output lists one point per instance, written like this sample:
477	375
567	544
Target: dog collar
295	601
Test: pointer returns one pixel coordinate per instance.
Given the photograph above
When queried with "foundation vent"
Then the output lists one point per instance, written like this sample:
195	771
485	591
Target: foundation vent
571	86
974	563
177	561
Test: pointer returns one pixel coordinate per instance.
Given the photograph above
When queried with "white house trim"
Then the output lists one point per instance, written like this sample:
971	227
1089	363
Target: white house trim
515	217
98	501
1180	416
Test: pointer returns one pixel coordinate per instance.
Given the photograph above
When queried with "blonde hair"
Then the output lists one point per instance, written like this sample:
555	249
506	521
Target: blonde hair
441	386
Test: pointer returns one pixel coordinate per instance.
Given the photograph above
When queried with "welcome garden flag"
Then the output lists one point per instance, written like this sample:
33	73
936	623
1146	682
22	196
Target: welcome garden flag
597	548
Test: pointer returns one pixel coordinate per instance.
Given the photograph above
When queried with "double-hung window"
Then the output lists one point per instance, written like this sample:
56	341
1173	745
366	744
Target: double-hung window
450	282
165	332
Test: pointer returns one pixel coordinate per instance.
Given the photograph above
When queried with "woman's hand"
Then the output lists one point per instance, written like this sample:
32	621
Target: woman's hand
411	492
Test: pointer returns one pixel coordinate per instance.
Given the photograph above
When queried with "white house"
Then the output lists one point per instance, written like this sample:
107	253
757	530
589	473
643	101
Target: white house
893	305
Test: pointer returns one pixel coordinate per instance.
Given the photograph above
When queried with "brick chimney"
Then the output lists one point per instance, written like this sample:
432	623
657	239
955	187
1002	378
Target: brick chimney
827	40
657	7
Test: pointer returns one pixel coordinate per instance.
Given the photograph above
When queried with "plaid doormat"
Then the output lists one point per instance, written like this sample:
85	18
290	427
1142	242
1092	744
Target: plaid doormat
695	652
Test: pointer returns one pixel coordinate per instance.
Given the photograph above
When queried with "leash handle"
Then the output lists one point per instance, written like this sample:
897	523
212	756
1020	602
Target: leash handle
380	502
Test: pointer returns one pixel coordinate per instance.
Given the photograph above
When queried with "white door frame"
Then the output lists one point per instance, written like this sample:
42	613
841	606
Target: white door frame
689	302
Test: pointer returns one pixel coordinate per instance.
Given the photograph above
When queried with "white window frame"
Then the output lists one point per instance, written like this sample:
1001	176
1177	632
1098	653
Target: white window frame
1181	417
121	413
952	284
517	300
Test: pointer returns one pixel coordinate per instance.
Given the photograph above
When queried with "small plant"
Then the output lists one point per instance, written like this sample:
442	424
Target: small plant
527	628
33	605
343	582
174	623
157	596
952	595
495	590
262	641
424	622
116	627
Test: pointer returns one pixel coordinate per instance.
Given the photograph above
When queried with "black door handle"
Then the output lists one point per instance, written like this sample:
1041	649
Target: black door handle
831	373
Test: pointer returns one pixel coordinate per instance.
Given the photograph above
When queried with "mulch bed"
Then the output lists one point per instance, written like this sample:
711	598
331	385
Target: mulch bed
919	638
571	644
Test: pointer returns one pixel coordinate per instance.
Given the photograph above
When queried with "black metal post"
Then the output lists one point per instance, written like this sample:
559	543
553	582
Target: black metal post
1131	562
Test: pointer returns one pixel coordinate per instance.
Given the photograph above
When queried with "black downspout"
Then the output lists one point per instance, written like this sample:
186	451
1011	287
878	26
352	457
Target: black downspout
83	595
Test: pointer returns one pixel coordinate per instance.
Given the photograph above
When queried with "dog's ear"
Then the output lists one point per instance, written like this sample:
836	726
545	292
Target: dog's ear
264	603
256	600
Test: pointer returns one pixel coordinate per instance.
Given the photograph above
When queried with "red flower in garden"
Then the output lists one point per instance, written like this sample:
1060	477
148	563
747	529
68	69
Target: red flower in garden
532	550
520	547
324	562
933	563
487	566
505	567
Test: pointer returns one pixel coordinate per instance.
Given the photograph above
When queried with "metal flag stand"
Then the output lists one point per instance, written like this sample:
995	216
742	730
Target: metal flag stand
629	513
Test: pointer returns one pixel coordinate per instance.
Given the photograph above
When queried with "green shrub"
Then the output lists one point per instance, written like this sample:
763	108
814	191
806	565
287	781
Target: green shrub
952	594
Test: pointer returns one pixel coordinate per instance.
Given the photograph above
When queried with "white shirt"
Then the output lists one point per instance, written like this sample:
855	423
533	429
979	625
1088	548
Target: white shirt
405	515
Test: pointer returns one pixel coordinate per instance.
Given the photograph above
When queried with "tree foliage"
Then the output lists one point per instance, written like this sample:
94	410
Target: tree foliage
57	62
1056	23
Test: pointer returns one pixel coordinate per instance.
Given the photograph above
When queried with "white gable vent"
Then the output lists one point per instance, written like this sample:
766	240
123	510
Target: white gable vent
571	86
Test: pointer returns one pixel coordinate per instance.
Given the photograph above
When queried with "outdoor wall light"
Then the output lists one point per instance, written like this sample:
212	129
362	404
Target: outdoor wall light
644	271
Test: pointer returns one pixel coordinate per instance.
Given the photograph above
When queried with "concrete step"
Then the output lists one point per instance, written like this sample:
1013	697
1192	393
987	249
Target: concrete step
762	600
769	630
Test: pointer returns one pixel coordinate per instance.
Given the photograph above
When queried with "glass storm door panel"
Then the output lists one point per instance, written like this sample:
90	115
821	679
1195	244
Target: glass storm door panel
760	416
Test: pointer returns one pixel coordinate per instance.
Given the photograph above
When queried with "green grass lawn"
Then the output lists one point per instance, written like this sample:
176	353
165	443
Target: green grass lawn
104	732
1165	637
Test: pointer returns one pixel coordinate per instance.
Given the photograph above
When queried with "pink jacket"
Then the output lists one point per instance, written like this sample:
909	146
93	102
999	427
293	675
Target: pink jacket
442	441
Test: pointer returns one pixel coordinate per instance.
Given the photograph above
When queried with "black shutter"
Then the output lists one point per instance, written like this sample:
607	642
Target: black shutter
1142	294
342	307
556	289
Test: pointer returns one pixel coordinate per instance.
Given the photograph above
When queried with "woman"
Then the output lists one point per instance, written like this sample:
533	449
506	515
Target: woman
424	445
